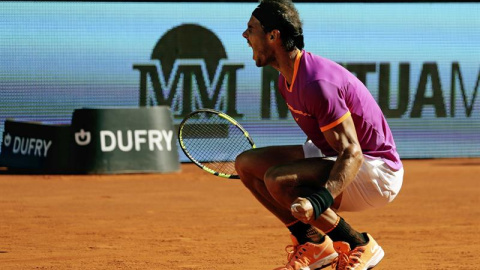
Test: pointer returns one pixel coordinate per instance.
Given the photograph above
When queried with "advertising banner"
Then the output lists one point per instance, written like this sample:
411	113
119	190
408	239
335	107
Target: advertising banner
37	147
124	140
99	141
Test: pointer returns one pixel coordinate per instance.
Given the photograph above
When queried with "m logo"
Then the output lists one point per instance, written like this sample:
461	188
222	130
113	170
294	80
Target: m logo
193	74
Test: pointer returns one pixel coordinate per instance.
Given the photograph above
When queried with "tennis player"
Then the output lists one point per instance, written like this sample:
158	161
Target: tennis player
349	163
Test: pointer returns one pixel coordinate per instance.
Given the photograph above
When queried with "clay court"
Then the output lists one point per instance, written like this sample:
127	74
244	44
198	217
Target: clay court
193	220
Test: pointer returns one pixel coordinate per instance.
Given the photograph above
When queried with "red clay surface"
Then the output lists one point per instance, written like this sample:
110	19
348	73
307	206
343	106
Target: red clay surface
193	220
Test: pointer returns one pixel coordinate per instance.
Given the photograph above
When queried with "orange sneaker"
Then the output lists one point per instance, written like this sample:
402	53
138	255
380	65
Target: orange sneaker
365	257
309	256
343	250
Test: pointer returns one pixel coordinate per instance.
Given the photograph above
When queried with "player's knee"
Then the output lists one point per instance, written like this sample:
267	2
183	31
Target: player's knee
245	167
274	180
280	186
242	161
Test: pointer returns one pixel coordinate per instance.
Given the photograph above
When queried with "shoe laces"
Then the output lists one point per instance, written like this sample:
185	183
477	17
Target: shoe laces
295	257
341	261
354	259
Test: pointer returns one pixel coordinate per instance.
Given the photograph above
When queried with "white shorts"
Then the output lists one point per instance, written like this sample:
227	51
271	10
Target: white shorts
375	185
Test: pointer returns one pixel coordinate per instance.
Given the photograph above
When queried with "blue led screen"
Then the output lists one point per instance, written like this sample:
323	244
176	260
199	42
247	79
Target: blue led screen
421	61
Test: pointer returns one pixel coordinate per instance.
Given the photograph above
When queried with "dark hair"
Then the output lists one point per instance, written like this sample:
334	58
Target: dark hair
283	16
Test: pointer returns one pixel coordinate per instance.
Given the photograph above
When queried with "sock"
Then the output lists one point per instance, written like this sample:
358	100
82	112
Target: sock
305	233
343	232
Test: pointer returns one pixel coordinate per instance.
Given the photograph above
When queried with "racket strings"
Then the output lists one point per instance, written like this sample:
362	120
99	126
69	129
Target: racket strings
215	142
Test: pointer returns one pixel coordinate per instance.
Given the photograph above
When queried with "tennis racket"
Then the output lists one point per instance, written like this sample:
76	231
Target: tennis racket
212	140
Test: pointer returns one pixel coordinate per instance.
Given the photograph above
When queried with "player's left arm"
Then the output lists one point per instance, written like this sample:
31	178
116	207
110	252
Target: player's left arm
343	138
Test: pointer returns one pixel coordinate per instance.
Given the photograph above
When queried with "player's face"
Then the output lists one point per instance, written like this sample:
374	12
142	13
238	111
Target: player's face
257	39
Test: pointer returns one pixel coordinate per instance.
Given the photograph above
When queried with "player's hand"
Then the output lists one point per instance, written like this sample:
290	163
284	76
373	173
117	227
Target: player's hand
302	210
